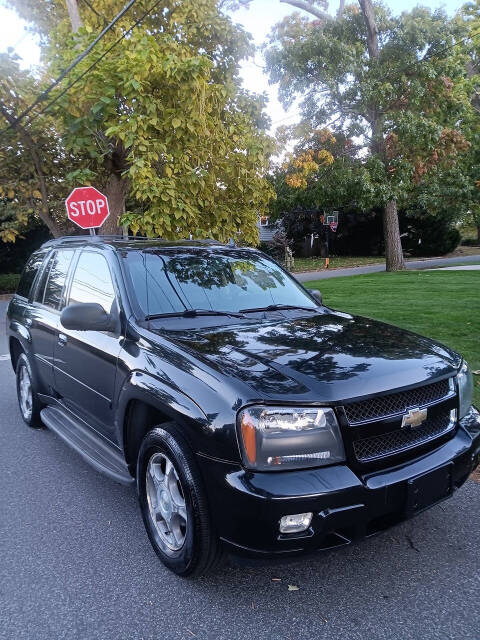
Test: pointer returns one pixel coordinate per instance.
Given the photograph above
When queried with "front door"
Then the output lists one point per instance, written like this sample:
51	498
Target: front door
86	361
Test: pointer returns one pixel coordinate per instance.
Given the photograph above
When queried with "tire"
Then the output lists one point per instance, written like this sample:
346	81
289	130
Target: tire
27	396
174	505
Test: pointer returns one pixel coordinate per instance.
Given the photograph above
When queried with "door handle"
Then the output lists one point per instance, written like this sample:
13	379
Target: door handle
62	339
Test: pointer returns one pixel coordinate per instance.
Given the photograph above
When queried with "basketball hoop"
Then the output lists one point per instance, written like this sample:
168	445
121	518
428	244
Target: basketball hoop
330	220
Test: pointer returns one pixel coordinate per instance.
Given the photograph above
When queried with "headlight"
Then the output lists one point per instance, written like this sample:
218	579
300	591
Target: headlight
278	438
465	390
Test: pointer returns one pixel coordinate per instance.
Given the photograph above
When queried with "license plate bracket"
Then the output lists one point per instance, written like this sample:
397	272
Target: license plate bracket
429	488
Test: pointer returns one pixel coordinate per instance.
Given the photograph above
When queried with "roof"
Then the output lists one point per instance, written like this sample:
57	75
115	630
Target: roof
129	242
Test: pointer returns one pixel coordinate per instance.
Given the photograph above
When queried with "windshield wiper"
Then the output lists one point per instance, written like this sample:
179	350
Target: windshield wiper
279	307
193	313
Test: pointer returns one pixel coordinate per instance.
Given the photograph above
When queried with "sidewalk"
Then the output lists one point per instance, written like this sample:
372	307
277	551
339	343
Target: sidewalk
426	263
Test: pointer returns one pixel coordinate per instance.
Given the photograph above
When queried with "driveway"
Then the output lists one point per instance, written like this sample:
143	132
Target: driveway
76	564
374	268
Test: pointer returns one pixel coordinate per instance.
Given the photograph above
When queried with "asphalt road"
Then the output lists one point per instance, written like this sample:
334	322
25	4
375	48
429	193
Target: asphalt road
75	563
429	263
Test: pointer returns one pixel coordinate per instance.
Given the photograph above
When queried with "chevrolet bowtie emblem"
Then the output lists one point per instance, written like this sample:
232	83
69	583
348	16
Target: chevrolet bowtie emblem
414	418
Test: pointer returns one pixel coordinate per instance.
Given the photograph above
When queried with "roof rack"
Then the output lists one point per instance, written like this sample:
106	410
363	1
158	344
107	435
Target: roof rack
118	238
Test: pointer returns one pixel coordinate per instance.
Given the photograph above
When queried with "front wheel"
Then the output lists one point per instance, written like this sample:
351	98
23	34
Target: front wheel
173	503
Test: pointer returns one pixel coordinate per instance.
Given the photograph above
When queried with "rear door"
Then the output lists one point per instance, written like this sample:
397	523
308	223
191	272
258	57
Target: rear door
85	361
43	317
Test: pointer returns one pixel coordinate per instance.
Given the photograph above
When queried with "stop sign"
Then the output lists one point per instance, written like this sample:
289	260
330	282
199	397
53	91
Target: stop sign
87	207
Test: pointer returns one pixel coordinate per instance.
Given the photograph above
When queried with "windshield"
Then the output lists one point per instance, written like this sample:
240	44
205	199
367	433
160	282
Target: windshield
169	282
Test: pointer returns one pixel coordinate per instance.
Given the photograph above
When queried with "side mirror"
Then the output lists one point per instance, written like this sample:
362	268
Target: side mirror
315	293
88	316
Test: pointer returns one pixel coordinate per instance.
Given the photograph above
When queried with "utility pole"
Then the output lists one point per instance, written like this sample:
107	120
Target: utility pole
74	15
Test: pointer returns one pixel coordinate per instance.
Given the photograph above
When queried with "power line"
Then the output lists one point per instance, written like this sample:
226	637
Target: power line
71	66
69	86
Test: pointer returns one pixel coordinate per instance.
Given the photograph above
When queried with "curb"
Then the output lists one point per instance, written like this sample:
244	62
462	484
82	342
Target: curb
6	296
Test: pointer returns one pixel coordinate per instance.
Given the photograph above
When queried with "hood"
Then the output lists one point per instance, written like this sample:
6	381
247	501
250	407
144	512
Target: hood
324	357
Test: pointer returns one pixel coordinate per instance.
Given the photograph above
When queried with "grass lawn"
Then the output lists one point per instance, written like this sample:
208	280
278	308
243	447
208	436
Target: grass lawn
337	262
444	305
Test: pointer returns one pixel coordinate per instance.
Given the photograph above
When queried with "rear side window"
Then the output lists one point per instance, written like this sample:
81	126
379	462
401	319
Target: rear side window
56	278
30	271
40	288
92	281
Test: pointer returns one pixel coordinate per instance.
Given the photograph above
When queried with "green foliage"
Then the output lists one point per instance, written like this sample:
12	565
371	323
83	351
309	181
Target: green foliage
14	255
427	234
405	105
166	109
20	188
160	124
9	282
342	184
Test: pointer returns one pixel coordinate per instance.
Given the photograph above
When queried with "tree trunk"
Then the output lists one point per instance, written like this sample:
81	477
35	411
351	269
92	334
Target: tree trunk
372	31
74	15
308	6
44	211
116	191
478	234
391	234
391	228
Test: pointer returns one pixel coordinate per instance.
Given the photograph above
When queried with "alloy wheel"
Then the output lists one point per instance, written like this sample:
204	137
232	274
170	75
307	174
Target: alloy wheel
25	393
166	503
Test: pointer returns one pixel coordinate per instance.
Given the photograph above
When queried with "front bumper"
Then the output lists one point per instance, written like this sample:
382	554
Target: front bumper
247	506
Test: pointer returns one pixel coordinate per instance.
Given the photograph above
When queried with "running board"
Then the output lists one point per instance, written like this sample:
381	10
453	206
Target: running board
93	448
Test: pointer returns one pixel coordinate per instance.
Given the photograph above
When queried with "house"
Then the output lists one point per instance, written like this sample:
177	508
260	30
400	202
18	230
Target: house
266	229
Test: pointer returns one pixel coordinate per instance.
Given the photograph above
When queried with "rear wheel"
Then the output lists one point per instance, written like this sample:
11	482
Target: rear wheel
174	505
28	401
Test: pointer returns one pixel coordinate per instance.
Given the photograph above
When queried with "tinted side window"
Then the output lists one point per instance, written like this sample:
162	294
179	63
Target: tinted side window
29	273
40	288
56	278
92	281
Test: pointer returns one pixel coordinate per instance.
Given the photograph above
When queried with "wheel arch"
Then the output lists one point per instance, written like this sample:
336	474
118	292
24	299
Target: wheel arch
15	348
146	402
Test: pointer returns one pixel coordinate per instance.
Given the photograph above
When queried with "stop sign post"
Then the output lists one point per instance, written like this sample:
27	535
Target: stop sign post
87	208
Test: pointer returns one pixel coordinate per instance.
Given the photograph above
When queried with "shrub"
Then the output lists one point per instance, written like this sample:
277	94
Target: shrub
470	242
13	255
428	235
9	282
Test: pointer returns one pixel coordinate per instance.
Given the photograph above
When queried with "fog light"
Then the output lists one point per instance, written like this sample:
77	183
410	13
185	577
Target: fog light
296	523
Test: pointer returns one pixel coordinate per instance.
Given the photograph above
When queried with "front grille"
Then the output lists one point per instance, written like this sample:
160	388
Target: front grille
394	403
387	444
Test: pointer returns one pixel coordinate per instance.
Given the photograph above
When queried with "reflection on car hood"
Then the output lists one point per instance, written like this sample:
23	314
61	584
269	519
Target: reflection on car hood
326	357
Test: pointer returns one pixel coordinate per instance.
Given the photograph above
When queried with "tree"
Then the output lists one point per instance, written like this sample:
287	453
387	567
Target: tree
322	173
32	160
469	196
161	117
395	82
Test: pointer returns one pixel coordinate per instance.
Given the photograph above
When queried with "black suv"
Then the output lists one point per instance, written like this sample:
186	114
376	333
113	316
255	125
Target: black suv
252	417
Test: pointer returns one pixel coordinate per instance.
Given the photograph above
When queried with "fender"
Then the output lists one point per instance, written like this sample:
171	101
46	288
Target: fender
171	401
19	331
